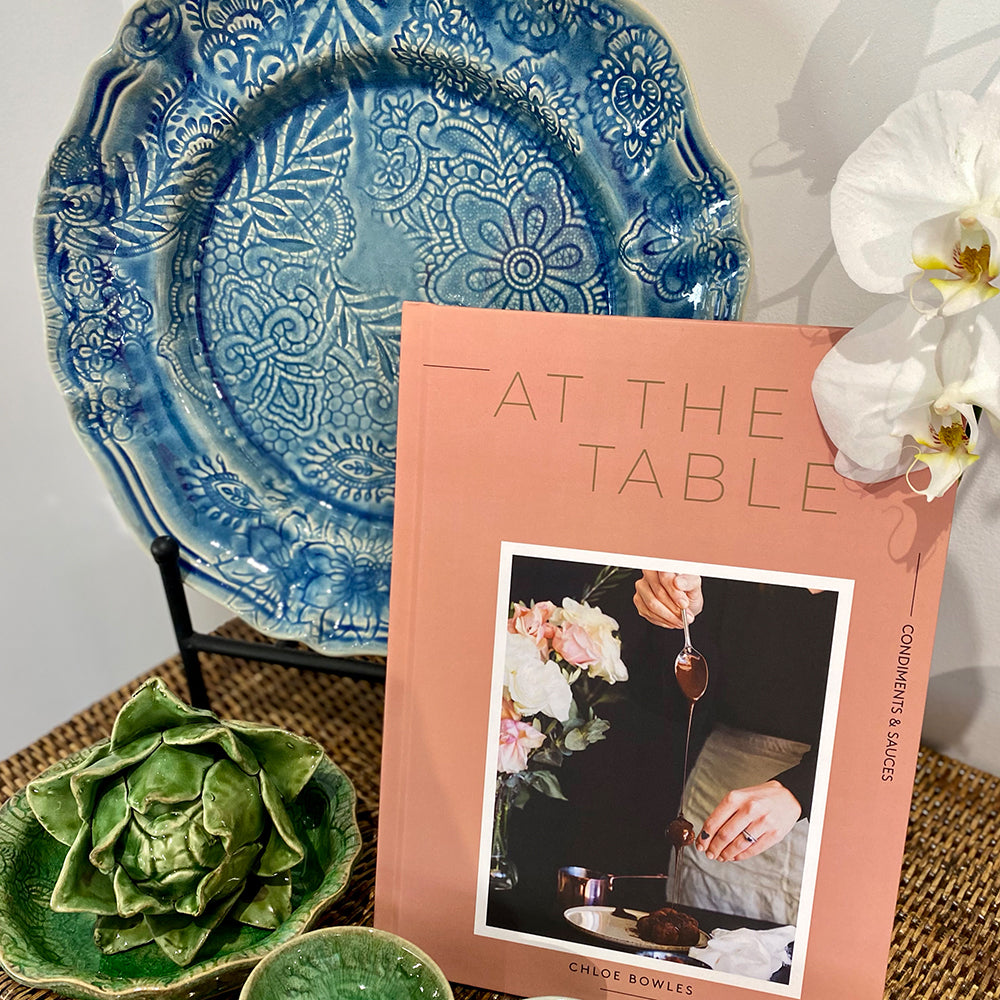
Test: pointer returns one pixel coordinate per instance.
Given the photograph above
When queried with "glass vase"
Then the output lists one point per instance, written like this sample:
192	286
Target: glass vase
503	871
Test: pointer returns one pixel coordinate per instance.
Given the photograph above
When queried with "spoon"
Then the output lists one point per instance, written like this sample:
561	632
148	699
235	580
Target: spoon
690	668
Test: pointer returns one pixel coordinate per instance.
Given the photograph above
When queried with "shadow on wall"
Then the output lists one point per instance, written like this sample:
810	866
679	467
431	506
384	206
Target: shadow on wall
954	697
963	699
865	60
955	700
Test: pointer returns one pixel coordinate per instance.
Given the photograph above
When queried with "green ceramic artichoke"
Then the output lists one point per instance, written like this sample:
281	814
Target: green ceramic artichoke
177	824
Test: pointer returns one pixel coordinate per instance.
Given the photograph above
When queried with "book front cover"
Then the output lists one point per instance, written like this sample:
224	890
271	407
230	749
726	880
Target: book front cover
578	797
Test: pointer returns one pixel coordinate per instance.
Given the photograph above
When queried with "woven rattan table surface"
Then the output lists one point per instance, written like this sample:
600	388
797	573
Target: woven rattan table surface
946	941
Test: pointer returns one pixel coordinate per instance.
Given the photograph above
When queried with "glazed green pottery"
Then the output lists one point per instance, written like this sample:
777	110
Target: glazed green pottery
347	963
169	859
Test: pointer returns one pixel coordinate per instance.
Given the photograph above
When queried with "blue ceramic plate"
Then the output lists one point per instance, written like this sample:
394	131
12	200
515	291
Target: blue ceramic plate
250	189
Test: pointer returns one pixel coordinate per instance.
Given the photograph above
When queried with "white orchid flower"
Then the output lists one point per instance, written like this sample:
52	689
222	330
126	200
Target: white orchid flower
923	191
902	390
950	448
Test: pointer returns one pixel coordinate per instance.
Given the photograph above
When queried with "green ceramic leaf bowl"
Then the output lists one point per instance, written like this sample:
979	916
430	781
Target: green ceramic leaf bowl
42	948
347	963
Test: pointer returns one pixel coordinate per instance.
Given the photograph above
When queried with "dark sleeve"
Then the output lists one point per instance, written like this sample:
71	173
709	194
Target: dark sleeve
800	780
780	695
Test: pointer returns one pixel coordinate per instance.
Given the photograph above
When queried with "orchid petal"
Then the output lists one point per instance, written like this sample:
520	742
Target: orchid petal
860	474
980	144
918	165
958	295
966	247
915	423
933	241
946	468
871	377
991	225
969	414
968	361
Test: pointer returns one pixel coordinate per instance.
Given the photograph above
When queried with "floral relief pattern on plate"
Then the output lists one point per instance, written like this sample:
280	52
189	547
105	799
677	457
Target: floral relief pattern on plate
249	192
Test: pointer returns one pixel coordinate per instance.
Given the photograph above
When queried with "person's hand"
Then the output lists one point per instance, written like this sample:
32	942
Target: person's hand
765	812
659	597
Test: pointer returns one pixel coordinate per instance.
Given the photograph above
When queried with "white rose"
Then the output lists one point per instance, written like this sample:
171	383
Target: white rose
534	684
600	628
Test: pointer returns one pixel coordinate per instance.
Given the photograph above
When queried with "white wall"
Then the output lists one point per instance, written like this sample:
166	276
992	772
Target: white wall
786	88
81	610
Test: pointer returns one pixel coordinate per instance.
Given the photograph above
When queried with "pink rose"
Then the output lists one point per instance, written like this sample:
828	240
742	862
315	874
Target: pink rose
534	623
516	740
575	645
603	646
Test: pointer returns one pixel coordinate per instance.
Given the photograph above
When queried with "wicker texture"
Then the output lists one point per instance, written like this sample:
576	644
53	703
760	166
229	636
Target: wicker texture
947	932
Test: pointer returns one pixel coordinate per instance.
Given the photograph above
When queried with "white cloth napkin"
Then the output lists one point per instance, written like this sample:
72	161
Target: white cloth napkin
757	954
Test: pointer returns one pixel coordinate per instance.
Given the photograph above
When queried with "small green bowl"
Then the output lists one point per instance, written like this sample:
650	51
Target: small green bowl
347	963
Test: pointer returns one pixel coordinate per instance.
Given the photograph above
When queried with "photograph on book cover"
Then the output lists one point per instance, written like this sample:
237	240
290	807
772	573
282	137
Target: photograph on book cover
654	792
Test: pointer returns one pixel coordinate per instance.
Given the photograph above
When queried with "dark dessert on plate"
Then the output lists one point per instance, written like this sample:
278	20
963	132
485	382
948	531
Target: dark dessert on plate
668	927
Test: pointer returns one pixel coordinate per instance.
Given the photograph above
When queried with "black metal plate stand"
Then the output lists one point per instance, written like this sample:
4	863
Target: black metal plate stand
190	643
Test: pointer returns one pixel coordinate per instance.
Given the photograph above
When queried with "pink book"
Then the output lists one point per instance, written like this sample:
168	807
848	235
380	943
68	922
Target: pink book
577	800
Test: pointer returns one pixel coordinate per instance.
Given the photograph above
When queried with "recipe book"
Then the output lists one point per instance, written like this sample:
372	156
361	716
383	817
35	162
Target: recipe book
549	749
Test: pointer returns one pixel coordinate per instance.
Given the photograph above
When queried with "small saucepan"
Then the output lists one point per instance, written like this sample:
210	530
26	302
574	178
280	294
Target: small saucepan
585	887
